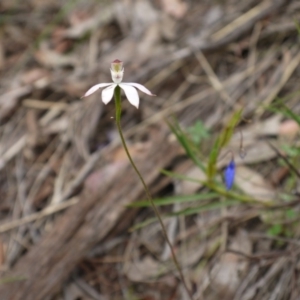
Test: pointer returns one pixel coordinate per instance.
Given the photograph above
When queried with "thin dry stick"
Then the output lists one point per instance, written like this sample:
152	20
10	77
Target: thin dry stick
35	216
214	80
240	21
118	123
288	70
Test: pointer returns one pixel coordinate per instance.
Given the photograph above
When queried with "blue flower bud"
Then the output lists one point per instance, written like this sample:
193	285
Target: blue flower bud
229	174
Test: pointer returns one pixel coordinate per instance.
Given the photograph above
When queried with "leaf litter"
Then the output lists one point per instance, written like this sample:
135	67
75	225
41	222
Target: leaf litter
60	156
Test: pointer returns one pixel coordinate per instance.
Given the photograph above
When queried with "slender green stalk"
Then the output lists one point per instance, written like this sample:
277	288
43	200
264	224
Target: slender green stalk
117	95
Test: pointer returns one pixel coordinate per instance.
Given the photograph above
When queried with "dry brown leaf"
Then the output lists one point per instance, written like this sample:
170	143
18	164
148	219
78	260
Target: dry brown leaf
38	77
125	51
57	126
191	252
10	100
143	269
254	184
141	21
255	130
289	128
227	274
168	27
52	59
143	43
149	44
188	187
175	8
72	291
137	151
258	151
104	175
83	25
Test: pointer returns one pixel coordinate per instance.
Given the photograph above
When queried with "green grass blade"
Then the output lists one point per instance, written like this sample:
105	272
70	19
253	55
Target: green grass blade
186	143
186	212
280	107
180	177
176	199
220	143
211	206
12	279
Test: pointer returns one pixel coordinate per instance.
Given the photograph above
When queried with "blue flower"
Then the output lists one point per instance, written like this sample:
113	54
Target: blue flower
229	174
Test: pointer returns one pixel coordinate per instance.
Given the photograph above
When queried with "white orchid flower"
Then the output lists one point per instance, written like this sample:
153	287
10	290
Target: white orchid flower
129	88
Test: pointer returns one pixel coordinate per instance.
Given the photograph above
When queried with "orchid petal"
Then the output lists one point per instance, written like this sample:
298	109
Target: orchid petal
94	88
140	87
131	94
107	93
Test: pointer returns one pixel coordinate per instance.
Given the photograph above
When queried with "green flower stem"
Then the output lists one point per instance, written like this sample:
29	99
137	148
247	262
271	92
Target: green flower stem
117	94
